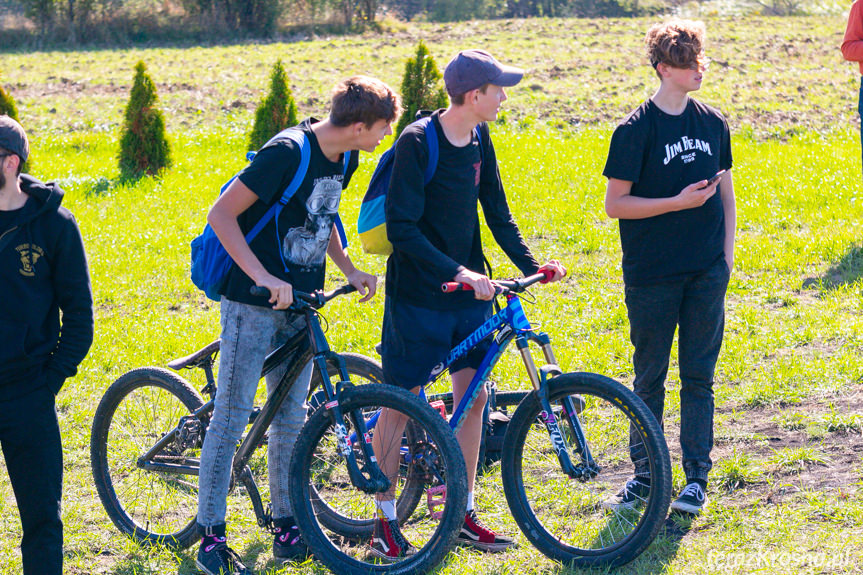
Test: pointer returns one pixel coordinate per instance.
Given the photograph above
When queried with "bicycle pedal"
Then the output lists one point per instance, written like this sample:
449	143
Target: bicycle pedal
440	406
436	497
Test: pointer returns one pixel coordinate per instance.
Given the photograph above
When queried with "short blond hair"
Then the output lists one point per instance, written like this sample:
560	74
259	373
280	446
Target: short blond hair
677	43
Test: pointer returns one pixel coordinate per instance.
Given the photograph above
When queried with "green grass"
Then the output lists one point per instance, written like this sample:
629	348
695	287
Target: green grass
774	78
790	458
792	360
737	470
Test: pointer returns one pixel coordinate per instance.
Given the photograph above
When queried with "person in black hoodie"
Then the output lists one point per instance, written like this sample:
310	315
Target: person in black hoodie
43	270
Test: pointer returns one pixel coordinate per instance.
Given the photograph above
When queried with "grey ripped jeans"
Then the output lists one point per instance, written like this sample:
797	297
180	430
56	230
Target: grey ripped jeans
249	333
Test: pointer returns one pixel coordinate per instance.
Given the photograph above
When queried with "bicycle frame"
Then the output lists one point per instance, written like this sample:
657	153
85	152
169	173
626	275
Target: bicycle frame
304	346
509	324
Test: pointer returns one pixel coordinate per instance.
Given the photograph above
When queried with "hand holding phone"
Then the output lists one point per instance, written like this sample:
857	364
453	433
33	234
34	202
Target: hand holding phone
716	177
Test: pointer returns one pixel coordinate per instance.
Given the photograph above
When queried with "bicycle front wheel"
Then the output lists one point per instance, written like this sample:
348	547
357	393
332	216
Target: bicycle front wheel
138	410
573	521
427	454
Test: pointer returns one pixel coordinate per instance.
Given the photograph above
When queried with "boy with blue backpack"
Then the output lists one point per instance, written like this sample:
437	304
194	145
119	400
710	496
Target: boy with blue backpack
313	162
433	225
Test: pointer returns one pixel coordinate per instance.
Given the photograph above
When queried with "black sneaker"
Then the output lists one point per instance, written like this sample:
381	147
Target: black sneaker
691	500
631	496
216	558
388	542
475	534
288	544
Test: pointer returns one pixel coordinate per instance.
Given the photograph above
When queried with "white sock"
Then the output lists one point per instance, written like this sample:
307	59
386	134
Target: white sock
387	508
469	501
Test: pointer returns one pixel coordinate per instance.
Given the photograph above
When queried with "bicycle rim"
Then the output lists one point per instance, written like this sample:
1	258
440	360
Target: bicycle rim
138	410
571	520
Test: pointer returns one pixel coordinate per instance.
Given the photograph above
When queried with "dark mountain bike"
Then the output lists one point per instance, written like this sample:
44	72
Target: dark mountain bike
149	428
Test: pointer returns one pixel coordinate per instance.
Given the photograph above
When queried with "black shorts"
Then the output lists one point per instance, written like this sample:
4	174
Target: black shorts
416	339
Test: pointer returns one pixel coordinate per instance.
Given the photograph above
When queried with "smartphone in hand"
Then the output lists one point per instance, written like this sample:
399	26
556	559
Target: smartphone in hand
715	177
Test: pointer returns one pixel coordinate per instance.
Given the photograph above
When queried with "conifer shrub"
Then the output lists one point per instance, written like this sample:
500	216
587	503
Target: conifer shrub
144	148
8	108
421	87
7	104
276	111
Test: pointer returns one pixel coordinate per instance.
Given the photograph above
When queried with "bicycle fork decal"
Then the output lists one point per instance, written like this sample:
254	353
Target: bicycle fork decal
557	442
344	444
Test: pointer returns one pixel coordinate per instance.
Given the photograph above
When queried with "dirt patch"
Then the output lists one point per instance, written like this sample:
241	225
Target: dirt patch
757	433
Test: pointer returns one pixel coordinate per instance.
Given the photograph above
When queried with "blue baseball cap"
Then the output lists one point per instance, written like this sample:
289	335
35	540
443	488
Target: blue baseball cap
472	69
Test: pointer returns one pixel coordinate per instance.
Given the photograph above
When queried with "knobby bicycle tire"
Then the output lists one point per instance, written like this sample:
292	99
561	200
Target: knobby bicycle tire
315	445
569	520
162	512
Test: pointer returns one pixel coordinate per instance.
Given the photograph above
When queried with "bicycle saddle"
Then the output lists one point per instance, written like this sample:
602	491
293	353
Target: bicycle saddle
196	359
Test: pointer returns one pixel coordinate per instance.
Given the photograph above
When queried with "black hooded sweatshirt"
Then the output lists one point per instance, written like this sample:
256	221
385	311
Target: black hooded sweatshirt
43	271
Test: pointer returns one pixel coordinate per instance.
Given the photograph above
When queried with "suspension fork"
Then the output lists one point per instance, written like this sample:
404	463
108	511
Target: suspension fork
369	478
539	380
572	408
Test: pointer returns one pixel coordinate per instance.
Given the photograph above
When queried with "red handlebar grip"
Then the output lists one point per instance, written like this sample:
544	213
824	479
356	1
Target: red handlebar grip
548	275
455	286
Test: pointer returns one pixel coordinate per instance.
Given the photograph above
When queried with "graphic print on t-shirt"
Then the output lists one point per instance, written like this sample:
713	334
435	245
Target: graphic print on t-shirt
306	246
685	144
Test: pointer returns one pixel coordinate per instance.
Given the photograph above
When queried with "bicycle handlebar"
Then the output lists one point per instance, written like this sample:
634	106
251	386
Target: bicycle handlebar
503	286
316	299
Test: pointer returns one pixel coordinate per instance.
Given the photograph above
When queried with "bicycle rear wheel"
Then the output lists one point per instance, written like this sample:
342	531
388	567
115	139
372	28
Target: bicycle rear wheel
138	409
427	452
570	520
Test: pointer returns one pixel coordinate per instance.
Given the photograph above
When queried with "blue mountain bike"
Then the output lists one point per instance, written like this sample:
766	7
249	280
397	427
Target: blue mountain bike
571	444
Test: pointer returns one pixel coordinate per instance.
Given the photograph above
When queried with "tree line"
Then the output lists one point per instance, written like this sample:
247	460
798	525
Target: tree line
75	21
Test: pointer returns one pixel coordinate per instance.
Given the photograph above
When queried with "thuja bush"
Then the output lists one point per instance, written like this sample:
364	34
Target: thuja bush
421	87
7	104
144	148
276	111
8	108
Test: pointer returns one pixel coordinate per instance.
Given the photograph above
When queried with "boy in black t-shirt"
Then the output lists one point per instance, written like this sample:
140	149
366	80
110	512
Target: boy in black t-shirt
289	251
435	233
677	223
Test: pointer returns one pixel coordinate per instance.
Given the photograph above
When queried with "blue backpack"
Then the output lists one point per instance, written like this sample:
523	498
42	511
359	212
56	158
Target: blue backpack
211	262
372	221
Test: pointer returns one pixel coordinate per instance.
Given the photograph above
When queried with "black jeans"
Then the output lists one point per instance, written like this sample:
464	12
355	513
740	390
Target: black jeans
30	439
697	305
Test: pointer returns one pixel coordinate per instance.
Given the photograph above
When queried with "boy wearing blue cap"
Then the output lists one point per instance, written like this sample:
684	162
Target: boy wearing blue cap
435	233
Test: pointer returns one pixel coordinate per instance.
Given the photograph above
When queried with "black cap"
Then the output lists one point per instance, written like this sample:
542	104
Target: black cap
13	138
472	69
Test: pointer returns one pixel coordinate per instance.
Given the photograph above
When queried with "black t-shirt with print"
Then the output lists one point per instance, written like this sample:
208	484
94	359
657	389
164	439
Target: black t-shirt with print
300	237
661	154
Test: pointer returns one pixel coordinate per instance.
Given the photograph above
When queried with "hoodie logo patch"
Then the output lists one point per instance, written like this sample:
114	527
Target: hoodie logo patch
28	255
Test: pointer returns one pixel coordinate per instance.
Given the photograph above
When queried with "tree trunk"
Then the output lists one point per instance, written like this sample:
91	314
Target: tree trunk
349	12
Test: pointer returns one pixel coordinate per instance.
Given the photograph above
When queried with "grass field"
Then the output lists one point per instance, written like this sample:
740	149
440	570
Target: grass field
787	486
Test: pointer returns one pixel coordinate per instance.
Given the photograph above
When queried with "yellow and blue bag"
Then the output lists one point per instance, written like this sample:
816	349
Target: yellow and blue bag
372	221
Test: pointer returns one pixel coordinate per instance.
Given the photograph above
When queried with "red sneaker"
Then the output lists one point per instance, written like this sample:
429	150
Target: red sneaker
388	541
475	534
